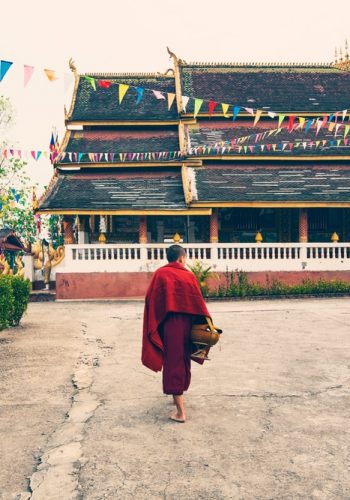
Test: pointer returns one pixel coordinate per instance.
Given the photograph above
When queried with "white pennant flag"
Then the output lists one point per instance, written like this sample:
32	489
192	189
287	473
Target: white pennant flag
185	100
67	81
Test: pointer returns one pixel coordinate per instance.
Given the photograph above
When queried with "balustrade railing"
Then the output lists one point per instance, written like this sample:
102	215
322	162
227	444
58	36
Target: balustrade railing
221	256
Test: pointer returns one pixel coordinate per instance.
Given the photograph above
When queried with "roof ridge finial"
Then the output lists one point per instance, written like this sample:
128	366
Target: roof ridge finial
340	55
336	56
346	51
172	55
72	65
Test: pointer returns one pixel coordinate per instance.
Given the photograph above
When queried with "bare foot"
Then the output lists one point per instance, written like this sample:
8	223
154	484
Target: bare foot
178	417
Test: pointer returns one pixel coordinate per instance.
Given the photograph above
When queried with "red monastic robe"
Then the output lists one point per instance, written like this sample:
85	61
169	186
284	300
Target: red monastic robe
172	289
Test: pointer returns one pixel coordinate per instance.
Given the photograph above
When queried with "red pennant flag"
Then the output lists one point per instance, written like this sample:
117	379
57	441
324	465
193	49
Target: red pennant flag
212	105
291	144
104	84
291	123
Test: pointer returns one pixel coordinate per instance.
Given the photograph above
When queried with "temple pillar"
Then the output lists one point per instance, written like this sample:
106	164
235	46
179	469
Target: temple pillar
68	222
83	229
214	226
303	225
143	229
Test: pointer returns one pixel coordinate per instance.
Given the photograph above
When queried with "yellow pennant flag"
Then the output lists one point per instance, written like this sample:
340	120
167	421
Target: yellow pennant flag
51	74
171	98
302	122
224	109
122	91
197	106
257	116
331	127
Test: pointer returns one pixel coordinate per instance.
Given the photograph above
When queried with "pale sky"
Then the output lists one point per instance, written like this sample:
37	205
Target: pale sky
131	36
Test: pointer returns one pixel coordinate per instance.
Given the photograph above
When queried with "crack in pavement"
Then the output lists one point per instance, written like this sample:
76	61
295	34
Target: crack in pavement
57	473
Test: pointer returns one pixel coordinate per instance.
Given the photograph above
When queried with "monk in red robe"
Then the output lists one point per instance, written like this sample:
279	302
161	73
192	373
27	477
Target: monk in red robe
173	303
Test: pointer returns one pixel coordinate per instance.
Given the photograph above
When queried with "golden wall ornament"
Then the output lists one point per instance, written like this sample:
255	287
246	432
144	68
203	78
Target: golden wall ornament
5	269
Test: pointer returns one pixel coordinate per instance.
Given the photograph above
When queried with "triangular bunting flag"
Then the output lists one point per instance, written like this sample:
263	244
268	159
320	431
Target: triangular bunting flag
27	73
104	84
257	116
139	92
91	80
249	110
345	111
291	123
301	122
331	127
346	130
236	110
158	94
80	156
171	98
197	106
211	107
51	74
319	125
67	81
280	120
122	91
4	67
308	125
185	100
224	109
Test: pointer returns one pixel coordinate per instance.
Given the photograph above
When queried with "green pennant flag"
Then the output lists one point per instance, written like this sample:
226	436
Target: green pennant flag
197	106
280	119
91	80
346	130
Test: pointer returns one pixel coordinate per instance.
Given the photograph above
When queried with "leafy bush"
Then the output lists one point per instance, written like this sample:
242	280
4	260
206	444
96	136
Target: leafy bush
21	290
237	285
6	301
14	296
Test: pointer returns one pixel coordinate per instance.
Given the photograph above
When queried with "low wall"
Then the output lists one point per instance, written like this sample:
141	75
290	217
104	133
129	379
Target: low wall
72	286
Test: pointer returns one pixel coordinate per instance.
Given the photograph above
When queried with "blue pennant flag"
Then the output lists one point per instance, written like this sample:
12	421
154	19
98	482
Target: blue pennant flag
4	67
140	91
236	110
308	125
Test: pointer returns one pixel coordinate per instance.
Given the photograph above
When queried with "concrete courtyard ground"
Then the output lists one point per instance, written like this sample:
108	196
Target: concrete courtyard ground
268	415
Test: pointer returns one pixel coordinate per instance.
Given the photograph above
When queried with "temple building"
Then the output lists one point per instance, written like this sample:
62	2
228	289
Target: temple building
286	195
206	153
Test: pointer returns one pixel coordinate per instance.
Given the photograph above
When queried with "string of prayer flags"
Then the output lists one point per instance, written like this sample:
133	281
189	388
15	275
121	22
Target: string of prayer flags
123	88
4	67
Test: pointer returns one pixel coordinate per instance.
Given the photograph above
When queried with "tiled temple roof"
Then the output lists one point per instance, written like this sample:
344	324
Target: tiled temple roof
103	104
122	140
281	88
252	183
211	131
127	190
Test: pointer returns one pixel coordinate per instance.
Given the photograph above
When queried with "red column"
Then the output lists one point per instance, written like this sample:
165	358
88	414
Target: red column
214	226
68	230
143	229
303	225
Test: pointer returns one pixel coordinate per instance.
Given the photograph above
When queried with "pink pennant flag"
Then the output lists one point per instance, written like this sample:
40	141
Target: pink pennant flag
158	94
249	110
27	73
